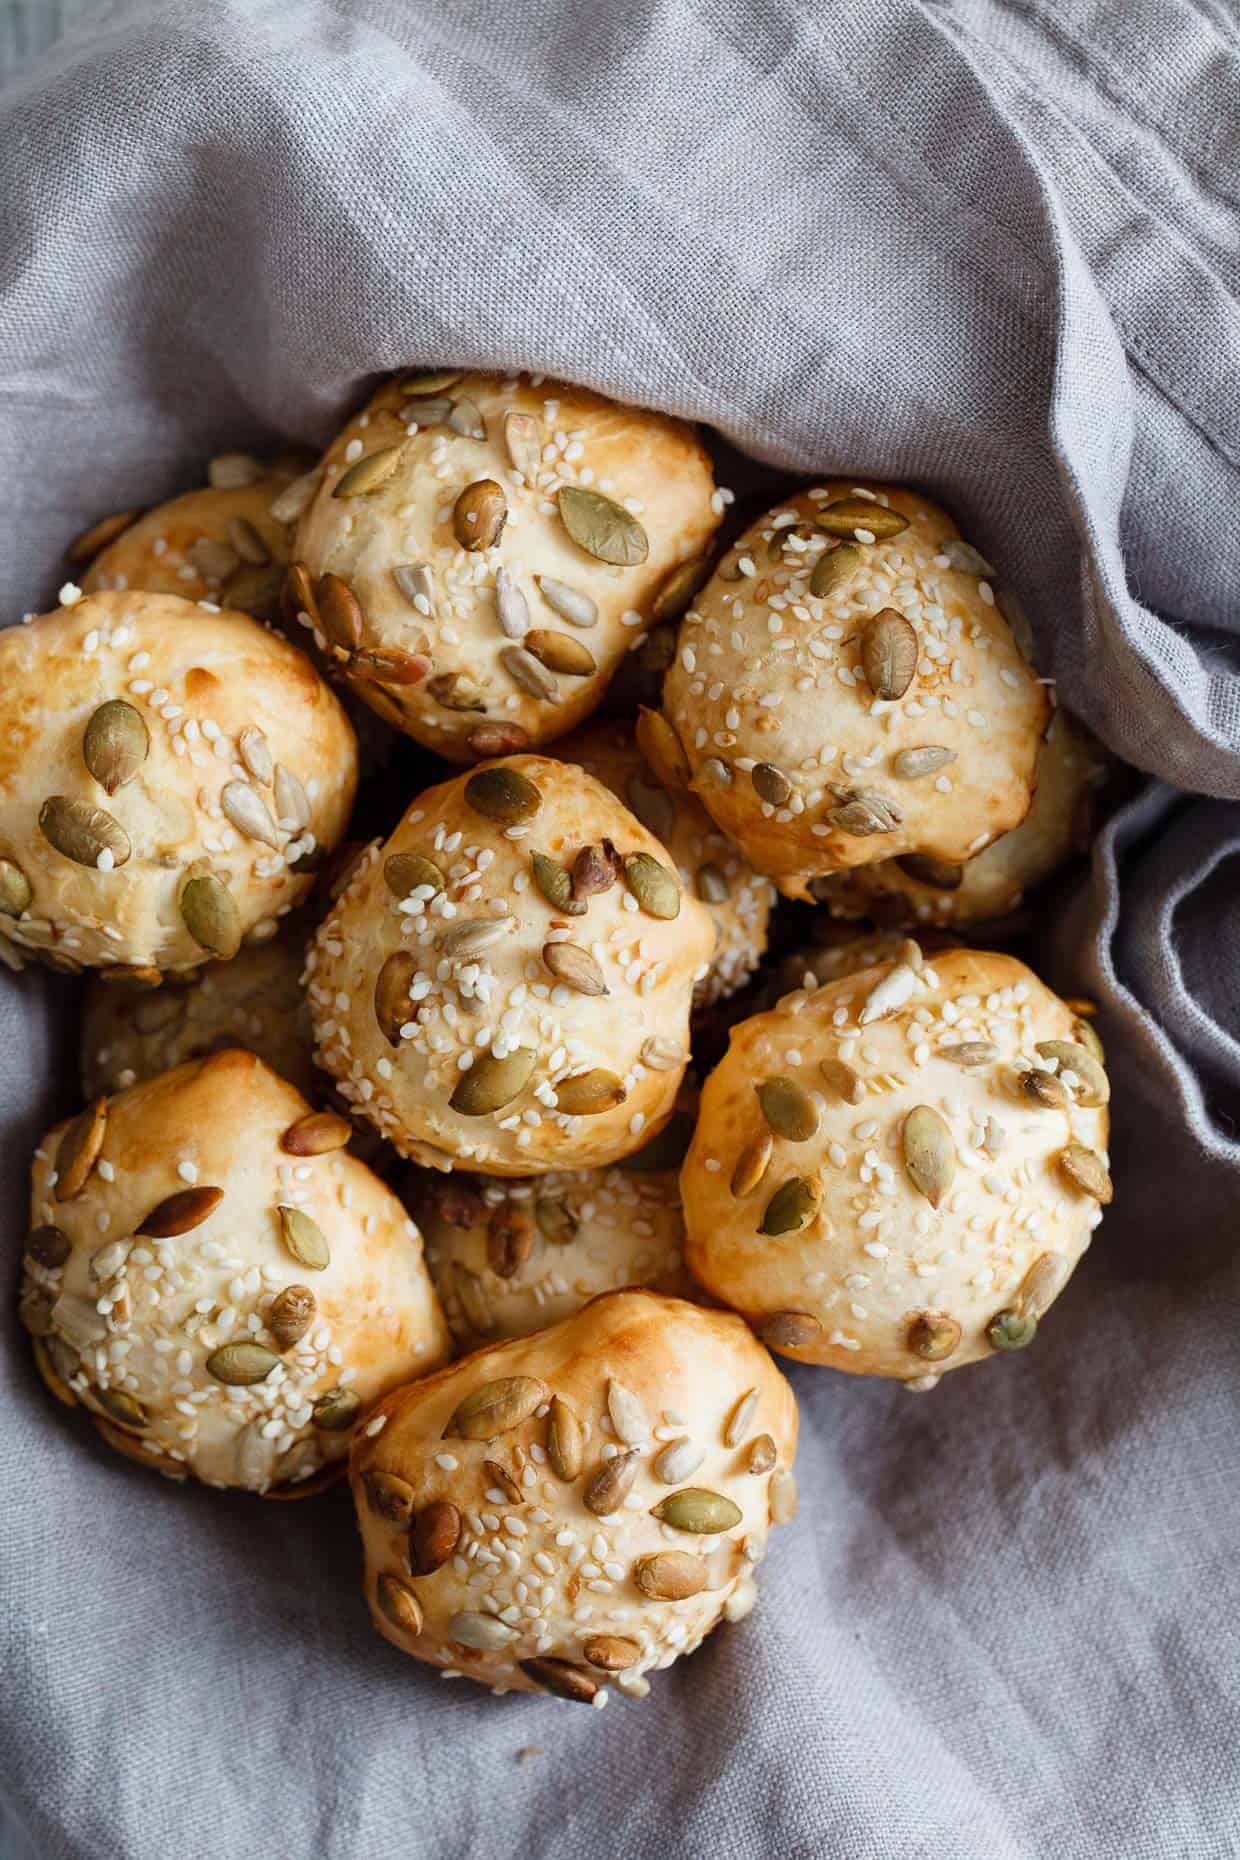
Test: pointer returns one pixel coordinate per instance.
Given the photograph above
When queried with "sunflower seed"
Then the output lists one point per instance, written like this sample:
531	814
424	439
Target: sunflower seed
628	1416
652	805
752	1165
479	515
503	795
496	1407
247	542
1042	1284
291	1315
600	526
569	603
241	1365
456	691
575	967
679	588
511	606
1088	1038
611	1653
318	1133
933	1336
78	1321
336	1410
396	1599
929	1153
83	833
889	651
78	1150
405	873
587	1094
115	744
565	1444
106	1261
209	912
1043	1088
1094	1087
562	1678
835	570
465	418
470	936
678	1460
215	560
526	672
523	442
229	471
424	381
498	739
670	1575
969	1053
782	1497
292	801
254	1457
288	504
697	1510
1010	1330
90	543
770	784
912	764
416	584
652	885
246	810
847	515
741	1419
555	884
15	892
35	1310
393	1007
120	1407
181	1212
555	1223
790	1330
434	1536
839	1076
389	1497
303	1238
662	1055
255	753
712	885
492	1082
1085	1170
560	652
389	665
49	1247
486	1633
788	1109
510	1241
792	1207
761	1456
860	812
607	1488
964	557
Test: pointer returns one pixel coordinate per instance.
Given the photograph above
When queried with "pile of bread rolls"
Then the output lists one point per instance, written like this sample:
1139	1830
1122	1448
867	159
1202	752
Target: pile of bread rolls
394	1156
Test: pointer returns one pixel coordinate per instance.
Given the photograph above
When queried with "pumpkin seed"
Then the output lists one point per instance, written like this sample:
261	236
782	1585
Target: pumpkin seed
503	795
526	672
913	764
662	1055
393	1007
389	665
49	1247
679	587
611	1653
560	652
782	1497
492	1082
498	739
404	873
472	936
465	418
712	885
761	1456
510	1241
833	571
434	410
788	1109
91	542
215	560
965	558
790	1330
496	1407
479	515
389	1497
653	886
697	1510
929	1153
662	748
600	526
555	884
181	1212
588	1094
120	1407
569	603
209	912
847	515
752	1164
1085	1170
969	1053
670	1575
456	691
1011	1330
770	784
565	1444
575	967
792	1207
425	381
628	1416
336	1410
486	1633
417	585
1043	1088
298	597
939	874
304	1238
652	805
65	1362
741	1419
435	1534
933	1336
889	650
15	892
296	497
842	1080
1043	1283
83	833
291	1315
397	1600
35	1310
78	1150
229	471
318	1133
368	473
339	612
241	1365
1094	1087
607	1488
562	1678
523	442
678	1460
115	745
555	1223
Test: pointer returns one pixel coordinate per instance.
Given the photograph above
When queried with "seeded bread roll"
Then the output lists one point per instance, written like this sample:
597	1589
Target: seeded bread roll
510	1258
1071	767
506	983
580	1507
897	1173
168	775
710	866
215	1278
482	552
846	689
130	1033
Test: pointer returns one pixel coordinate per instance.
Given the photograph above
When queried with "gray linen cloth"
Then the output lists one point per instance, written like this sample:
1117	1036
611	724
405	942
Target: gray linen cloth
992	248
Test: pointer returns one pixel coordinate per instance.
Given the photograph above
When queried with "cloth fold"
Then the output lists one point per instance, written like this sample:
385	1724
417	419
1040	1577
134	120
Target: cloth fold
987	247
